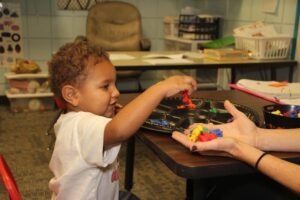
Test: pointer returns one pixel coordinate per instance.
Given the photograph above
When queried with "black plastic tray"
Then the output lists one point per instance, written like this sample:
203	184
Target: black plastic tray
167	117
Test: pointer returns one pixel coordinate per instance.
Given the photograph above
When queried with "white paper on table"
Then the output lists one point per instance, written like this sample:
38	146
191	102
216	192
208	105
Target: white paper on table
118	56
288	92
291	101
198	55
165	56
168	61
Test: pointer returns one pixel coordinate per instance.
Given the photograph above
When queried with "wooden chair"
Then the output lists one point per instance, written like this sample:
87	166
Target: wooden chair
8	180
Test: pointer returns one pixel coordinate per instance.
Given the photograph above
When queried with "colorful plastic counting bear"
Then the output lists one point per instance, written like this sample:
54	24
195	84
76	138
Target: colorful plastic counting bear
203	134
159	122
292	113
187	100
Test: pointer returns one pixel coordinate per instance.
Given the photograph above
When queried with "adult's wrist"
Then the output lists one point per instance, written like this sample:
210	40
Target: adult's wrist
246	153
260	137
236	149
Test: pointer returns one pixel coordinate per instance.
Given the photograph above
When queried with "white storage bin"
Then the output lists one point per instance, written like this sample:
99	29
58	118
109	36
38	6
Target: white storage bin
31	102
179	44
265	47
28	83
171	25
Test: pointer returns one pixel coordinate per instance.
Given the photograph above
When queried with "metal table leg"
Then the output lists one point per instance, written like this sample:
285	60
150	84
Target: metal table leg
129	168
195	189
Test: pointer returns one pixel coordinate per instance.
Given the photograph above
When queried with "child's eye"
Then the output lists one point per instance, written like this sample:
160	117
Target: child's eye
105	86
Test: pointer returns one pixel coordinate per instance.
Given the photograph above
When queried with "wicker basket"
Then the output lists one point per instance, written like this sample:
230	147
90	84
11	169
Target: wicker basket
75	4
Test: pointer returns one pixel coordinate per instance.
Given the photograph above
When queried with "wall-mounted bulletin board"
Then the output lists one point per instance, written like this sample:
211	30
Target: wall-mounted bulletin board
10	33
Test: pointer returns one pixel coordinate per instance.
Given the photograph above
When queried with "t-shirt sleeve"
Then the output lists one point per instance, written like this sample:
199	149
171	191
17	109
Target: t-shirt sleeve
90	139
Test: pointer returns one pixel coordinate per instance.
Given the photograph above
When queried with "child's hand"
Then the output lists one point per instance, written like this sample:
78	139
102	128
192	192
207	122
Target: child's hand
176	84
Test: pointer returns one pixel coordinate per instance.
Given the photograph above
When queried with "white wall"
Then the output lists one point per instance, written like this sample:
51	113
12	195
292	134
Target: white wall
45	28
239	12
297	71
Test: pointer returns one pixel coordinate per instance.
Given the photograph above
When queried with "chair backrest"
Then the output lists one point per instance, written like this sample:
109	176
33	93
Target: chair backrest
115	26
9	180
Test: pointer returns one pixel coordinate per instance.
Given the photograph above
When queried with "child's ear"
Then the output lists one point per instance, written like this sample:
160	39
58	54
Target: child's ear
69	93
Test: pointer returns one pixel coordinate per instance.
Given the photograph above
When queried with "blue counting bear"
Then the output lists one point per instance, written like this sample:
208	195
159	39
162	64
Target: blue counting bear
217	132
293	114
159	122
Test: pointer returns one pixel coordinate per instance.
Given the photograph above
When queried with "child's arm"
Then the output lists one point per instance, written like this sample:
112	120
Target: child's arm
133	115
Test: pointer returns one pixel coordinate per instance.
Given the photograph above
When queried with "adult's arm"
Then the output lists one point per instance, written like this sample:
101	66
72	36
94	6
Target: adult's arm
278	140
286	173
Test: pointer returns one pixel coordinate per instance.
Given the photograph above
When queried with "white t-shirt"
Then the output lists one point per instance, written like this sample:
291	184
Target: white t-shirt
81	168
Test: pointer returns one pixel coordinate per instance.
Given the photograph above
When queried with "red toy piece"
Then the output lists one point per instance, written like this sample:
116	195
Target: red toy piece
187	100
206	137
203	138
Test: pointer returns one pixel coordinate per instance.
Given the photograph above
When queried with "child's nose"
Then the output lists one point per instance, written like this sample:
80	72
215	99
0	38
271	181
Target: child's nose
115	92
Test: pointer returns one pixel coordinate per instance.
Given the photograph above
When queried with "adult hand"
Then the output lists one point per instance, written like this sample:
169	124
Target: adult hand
241	128
220	146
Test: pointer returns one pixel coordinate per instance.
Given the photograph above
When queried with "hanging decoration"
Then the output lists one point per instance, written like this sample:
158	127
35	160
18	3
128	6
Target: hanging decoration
75	4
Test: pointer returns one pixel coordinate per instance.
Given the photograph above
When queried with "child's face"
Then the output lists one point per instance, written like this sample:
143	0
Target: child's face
98	93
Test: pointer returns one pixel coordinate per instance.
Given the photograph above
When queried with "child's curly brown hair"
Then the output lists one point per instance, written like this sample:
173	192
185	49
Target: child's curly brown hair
68	65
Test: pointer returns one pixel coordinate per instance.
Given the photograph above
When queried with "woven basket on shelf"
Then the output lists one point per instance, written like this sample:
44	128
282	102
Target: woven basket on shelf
75	4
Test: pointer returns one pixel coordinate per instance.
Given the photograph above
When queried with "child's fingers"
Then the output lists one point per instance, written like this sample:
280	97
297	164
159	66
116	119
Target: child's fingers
191	84
194	84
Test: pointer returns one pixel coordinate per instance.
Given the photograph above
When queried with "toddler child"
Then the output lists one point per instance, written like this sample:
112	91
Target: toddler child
89	133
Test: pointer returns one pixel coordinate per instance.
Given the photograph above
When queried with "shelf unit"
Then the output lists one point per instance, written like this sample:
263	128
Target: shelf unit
29	92
198	27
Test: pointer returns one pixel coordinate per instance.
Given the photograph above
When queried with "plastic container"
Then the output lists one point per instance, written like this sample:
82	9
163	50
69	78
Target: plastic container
31	102
28	83
265	47
280	121
219	43
198	27
226	54
180	44
171	25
